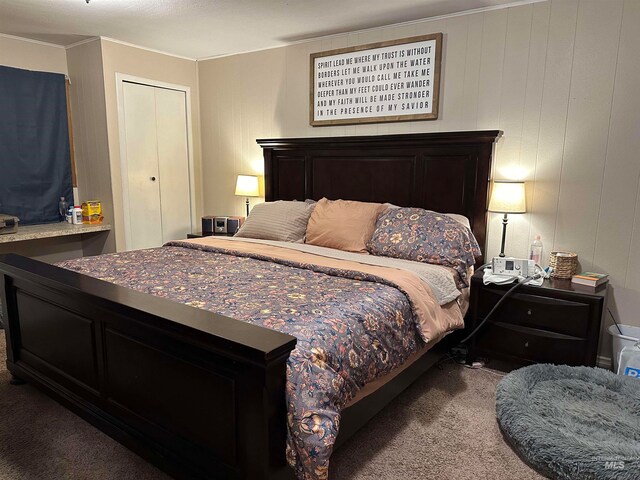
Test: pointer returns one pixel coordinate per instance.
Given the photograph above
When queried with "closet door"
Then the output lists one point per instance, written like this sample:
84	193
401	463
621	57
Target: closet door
156	168
173	163
144	215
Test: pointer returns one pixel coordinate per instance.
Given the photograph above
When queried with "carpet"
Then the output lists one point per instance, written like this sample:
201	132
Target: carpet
573	422
443	427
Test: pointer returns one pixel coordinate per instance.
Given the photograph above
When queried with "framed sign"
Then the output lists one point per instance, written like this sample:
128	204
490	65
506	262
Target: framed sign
393	81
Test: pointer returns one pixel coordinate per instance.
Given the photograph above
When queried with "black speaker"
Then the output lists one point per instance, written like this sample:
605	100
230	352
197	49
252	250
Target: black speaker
208	224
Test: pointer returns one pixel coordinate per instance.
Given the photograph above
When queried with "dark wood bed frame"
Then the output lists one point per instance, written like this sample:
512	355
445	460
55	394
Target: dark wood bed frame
198	394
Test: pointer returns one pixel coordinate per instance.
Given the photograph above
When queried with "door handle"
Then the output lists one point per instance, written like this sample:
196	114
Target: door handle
153	179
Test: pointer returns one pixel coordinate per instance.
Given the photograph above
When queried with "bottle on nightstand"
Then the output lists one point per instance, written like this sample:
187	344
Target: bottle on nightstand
535	252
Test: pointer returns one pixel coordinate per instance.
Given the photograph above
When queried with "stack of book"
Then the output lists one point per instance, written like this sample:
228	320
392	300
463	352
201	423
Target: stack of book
590	279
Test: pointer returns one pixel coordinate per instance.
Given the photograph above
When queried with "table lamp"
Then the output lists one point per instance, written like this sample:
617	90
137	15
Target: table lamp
507	197
247	186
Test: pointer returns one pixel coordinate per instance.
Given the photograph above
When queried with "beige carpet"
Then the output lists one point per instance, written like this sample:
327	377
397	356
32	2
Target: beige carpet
443	427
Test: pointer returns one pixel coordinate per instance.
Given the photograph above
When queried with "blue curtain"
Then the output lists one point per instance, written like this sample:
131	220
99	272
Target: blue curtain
35	166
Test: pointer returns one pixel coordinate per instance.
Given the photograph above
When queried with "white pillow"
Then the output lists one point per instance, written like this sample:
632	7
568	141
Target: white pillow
460	218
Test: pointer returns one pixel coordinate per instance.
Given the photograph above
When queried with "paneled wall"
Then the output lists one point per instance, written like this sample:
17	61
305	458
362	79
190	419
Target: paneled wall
559	78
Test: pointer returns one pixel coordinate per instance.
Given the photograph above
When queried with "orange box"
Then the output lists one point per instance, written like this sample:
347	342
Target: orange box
92	212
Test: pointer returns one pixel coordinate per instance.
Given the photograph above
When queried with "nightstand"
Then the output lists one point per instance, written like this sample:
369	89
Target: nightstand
200	234
558	322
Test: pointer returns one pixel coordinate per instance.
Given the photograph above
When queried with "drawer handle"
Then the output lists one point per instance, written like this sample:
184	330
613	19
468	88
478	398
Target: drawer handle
529	312
526	344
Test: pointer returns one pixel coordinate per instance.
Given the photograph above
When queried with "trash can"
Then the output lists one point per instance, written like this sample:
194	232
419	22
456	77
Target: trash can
630	336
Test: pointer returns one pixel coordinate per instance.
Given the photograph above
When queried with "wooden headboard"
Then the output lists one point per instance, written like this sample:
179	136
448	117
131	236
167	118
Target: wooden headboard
446	172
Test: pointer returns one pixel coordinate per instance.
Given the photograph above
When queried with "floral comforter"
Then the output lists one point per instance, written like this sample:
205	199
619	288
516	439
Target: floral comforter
351	326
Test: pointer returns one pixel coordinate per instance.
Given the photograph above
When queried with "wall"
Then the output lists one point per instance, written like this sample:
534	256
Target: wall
31	55
559	78
91	67
89	115
119	58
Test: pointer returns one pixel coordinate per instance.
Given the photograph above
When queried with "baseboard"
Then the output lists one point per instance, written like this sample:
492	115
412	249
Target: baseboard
604	362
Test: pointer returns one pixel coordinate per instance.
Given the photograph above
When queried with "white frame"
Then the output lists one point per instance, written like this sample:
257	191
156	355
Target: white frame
124	166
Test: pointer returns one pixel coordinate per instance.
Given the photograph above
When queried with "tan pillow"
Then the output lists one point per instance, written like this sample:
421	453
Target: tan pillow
343	224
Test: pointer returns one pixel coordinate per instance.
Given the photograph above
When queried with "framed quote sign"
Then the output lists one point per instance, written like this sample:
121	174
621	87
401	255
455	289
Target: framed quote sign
393	81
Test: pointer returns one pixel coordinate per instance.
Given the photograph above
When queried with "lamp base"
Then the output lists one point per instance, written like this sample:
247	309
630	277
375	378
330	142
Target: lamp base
504	234
247	204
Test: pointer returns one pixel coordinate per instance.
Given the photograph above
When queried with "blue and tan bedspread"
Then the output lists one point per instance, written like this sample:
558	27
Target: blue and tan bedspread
353	322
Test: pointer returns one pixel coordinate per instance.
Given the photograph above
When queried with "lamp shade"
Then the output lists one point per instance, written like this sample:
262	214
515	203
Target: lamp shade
247	186
508	197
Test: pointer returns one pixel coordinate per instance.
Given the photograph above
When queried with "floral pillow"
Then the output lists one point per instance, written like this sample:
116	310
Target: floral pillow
425	236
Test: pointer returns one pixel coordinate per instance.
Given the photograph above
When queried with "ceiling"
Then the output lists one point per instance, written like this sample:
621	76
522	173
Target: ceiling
206	28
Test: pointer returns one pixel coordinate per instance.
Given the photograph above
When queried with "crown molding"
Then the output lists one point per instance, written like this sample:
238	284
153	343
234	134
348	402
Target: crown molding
127	44
93	39
516	3
81	42
31	40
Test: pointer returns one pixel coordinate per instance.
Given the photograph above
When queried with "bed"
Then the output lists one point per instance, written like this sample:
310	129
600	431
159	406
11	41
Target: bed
130	362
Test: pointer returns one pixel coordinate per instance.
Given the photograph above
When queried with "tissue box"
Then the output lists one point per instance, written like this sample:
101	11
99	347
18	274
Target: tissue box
92	212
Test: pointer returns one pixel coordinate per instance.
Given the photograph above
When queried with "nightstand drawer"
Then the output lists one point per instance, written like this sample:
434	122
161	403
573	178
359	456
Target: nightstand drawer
544	313
532	345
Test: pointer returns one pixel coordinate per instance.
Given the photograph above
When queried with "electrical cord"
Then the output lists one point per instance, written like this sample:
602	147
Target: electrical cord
542	274
495	307
461	359
614	321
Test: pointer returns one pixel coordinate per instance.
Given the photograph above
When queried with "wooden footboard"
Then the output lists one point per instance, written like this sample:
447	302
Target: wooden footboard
198	394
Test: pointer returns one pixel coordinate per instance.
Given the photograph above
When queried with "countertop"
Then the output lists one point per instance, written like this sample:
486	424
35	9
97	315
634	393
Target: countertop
50	230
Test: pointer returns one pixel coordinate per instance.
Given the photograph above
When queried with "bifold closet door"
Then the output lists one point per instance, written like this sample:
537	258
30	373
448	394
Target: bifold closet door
144	217
159	206
173	163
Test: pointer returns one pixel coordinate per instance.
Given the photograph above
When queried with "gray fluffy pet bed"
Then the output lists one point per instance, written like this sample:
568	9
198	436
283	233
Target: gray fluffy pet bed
572	422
